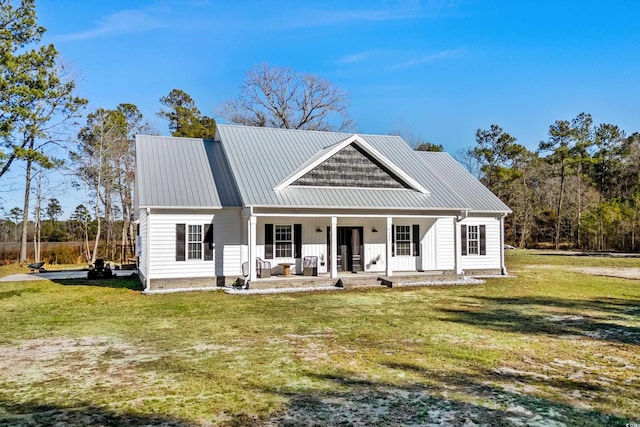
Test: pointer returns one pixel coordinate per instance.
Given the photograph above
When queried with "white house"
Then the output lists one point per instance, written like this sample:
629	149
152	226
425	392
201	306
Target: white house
357	202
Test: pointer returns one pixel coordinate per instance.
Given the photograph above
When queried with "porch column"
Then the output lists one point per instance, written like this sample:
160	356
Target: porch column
253	275
457	246
389	269
334	247
503	266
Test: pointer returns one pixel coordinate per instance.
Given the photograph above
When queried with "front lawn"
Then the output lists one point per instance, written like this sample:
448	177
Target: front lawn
554	346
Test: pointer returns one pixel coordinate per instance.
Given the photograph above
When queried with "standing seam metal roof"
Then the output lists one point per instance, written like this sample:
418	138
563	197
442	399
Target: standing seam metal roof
243	165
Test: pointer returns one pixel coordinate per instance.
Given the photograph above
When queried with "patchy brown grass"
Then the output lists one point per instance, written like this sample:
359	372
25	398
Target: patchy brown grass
554	346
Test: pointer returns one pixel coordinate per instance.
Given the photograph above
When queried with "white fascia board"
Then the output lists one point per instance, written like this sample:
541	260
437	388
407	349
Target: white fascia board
355	138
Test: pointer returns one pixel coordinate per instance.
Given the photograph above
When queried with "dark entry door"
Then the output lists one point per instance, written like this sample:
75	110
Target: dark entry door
350	248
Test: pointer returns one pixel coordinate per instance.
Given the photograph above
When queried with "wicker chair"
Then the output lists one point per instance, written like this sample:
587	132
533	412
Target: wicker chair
263	268
310	266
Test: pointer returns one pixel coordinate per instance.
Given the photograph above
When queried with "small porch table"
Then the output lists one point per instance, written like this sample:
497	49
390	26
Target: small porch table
286	268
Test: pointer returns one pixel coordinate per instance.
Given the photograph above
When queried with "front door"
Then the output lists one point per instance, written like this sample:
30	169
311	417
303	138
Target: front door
350	248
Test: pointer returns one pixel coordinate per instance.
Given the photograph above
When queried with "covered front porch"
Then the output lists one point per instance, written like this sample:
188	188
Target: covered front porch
360	243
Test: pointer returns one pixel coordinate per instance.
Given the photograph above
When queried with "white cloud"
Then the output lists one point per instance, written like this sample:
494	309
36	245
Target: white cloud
122	22
432	57
356	57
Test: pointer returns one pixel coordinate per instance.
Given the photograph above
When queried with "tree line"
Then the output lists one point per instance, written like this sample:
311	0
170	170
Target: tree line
580	188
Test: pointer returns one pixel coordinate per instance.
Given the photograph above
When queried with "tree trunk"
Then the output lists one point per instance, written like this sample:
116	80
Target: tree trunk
25	217
559	210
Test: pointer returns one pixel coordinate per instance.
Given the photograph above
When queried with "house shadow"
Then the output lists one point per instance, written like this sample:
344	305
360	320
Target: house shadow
81	414
568	317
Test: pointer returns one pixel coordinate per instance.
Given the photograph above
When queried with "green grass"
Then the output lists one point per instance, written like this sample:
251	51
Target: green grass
552	345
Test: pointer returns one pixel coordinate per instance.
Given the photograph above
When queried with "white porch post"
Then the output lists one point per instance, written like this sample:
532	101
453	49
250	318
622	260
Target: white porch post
503	266
334	247
389	268
457	246
253	275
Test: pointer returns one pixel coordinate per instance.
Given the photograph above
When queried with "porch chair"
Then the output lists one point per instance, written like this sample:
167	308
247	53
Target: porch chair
310	266
263	268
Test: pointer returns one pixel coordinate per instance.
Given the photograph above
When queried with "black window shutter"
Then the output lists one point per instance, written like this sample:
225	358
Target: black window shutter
483	240
463	233
208	242
268	241
297	240
180	242
393	240
416	239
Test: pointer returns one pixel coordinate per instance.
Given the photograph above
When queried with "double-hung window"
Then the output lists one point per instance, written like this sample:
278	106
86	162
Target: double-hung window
403	240
283	241
194	242
473	240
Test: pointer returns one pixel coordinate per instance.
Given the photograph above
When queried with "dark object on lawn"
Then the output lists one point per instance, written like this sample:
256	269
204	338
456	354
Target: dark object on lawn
37	267
385	281
100	270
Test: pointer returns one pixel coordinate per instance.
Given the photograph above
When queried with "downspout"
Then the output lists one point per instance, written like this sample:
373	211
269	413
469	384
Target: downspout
147	280
503	266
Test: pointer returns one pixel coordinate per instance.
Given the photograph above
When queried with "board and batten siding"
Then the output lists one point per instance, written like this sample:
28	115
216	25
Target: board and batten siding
314	243
433	233
492	244
444	241
226	248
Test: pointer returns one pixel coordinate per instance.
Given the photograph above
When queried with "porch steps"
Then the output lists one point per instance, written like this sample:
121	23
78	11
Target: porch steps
355	281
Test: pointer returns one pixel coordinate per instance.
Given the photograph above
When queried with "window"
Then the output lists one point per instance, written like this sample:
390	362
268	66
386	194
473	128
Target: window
473	240
403	240
284	241
195	242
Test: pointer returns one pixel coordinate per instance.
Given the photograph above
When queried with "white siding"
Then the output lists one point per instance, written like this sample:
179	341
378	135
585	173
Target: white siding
227	245
445	244
228	241
492	259
142	242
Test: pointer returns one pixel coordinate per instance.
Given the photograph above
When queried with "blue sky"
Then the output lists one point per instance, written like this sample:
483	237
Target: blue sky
439	68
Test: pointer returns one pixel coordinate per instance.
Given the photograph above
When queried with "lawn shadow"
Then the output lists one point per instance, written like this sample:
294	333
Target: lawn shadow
347	399
128	281
82	414
523	315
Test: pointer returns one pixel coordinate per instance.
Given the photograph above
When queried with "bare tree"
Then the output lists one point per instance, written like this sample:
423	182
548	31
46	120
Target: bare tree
279	97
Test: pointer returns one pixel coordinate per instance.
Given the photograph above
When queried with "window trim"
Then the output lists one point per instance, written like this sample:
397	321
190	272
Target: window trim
288	242
481	239
194	246
409	242
470	239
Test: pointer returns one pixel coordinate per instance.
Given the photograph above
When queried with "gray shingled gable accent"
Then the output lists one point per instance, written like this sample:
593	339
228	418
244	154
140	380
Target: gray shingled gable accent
351	167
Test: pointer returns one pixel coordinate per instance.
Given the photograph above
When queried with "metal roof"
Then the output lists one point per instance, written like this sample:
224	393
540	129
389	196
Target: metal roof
174	172
243	165
479	197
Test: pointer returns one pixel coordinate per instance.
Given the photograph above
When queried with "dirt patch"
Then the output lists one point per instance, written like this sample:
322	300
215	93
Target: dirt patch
632	273
621	272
